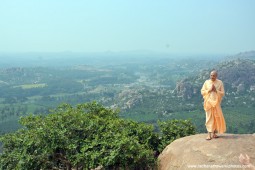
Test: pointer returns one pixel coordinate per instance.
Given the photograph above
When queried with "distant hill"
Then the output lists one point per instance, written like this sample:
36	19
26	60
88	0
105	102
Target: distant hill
238	76
242	55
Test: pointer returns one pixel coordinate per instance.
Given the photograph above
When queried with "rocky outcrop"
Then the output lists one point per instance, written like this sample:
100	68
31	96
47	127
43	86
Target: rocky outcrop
194	152
185	89
238	76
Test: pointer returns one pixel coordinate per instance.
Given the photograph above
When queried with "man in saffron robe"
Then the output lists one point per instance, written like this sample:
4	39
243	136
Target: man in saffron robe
212	92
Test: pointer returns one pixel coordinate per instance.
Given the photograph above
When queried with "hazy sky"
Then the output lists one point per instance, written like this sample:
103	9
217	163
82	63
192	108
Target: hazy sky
172	26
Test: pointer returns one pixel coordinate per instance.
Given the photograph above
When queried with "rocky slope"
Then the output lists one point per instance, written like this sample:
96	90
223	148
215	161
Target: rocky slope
194	152
238	76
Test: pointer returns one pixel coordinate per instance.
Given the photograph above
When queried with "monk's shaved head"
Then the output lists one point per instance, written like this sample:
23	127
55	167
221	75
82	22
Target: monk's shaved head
213	75
214	72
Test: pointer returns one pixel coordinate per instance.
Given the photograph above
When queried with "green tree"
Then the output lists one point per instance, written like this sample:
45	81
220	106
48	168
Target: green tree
82	137
87	136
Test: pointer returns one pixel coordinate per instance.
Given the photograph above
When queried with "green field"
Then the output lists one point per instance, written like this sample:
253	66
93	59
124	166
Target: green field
31	86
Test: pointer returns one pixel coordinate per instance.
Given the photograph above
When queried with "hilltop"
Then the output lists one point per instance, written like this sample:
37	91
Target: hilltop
242	55
194	151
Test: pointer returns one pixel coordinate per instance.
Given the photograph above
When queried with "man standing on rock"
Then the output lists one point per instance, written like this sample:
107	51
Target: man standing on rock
212	92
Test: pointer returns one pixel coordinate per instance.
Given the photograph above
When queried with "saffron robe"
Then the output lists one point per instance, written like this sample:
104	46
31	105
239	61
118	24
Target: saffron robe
212	105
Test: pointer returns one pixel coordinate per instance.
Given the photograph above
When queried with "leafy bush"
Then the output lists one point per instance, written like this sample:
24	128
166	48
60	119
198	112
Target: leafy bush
84	137
174	129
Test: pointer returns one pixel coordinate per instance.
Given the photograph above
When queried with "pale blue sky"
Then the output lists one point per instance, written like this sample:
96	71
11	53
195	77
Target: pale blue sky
172	26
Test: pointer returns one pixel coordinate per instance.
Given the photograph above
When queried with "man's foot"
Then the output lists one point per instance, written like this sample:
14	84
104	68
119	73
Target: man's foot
209	136
215	136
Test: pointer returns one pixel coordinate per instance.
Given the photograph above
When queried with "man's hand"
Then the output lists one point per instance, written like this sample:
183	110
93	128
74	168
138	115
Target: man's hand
213	88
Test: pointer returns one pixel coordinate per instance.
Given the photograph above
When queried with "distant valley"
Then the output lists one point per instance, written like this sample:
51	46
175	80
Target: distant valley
145	88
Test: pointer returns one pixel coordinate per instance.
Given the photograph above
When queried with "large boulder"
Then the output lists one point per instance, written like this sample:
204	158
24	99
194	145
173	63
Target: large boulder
194	152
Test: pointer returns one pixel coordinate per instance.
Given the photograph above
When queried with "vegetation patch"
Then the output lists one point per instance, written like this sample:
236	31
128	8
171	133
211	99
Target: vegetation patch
31	86
85	137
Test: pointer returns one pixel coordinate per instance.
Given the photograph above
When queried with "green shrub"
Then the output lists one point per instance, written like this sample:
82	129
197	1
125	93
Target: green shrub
174	129
85	137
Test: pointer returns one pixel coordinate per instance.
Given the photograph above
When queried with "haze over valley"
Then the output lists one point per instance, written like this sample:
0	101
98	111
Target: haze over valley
144	88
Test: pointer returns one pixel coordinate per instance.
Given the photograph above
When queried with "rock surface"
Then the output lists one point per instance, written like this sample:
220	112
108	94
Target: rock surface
194	152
